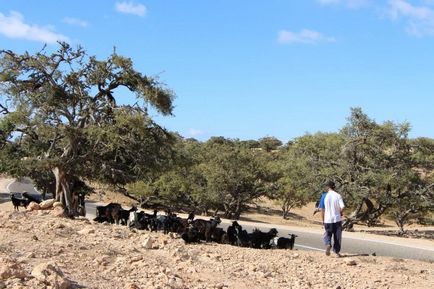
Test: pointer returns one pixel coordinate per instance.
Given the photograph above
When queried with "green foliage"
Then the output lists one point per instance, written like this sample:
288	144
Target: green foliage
269	143
59	113
234	176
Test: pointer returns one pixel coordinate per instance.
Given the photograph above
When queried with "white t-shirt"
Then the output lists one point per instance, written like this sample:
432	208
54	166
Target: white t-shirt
333	204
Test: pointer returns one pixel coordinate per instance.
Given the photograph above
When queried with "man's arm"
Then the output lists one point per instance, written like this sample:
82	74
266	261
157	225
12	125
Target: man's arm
342	205
322	216
322	206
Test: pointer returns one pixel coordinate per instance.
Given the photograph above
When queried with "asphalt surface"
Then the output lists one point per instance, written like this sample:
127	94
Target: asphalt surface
352	246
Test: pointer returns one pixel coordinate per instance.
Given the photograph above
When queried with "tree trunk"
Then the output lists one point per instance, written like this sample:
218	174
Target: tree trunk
401	220
63	192
237	212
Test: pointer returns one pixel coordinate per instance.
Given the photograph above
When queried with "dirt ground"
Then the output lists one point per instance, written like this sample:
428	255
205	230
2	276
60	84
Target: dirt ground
40	250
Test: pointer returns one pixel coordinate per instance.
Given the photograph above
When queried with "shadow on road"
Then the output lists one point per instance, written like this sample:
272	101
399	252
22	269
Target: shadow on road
356	255
4	197
252	220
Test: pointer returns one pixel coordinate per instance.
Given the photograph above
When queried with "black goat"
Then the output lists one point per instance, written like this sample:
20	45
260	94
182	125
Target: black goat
144	221
243	239
17	202
232	232
124	215
169	223
283	243
261	240
206	228
32	198
219	235
107	213
182	224
191	235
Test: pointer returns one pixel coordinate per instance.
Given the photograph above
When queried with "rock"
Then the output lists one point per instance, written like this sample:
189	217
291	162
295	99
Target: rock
86	231
10	268
148	242
131	286
351	262
57	204
42	213
136	259
58	212
30	255
47	204
220	286
176	283
33	206
50	274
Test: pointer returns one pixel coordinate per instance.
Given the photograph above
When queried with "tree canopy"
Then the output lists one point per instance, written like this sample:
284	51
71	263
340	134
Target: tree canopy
59	113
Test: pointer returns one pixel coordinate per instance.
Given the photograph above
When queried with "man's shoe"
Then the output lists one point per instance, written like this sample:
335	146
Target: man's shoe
328	250
337	255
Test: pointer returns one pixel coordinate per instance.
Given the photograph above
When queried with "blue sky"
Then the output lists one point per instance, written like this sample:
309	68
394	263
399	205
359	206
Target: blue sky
248	69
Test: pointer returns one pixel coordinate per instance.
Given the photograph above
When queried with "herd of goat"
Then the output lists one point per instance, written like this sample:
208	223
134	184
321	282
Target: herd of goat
190	229
194	230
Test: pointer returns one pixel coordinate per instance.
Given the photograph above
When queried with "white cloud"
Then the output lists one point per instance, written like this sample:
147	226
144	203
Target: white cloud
131	8
403	8
194	132
304	36
353	4
14	26
419	19
75	21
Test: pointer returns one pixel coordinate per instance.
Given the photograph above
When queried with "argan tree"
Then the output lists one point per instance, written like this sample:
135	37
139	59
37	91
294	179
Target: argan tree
58	113
234	176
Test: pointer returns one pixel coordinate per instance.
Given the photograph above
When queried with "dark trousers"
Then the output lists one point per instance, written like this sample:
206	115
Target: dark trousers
333	230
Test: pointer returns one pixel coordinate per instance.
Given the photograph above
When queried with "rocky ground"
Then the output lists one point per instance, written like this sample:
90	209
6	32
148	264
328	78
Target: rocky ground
39	249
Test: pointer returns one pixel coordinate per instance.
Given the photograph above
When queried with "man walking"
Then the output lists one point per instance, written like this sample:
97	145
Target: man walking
332	206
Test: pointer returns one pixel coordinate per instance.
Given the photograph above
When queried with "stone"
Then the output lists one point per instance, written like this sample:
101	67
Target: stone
33	206
57	204
58	212
50	274
176	283
351	262
10	268
47	204
148	243
30	255
220	286
131	286
42	213
86	231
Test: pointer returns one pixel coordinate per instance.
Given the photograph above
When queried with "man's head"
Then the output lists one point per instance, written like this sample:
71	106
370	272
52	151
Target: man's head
329	185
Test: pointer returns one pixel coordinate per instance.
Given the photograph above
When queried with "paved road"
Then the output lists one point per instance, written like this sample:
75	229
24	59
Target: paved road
353	246
306	240
24	185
